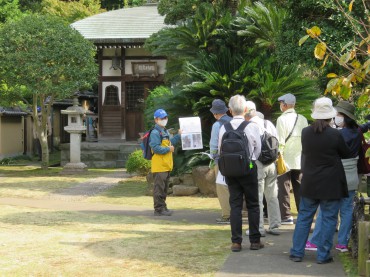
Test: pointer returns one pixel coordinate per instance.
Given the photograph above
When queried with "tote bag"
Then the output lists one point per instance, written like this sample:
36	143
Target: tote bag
281	166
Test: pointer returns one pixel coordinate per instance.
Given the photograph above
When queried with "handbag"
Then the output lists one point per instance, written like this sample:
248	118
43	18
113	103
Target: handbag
363	164
281	166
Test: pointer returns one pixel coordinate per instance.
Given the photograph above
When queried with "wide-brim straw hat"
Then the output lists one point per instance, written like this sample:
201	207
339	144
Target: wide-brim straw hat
346	108
323	109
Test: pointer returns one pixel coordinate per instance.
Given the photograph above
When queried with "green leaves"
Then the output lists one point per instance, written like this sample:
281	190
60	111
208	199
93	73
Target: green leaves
45	56
263	23
303	39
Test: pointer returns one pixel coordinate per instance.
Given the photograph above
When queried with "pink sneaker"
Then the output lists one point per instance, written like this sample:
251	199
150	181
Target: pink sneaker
342	248
310	246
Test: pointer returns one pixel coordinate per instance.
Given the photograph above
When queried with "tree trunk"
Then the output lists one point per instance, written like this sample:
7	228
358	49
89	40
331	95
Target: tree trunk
44	151
266	109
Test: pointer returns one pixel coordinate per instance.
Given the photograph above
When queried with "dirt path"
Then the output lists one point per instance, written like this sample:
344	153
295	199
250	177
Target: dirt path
89	188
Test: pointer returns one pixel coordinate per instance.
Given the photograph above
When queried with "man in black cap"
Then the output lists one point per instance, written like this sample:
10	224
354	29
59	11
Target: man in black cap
219	110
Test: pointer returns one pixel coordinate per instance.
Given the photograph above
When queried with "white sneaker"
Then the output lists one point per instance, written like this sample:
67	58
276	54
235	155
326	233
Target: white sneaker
288	221
263	234
273	231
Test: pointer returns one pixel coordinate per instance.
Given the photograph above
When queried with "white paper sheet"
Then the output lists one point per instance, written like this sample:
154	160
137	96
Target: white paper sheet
191	137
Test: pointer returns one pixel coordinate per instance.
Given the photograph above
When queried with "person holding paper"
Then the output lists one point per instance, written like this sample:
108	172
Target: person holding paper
162	161
219	110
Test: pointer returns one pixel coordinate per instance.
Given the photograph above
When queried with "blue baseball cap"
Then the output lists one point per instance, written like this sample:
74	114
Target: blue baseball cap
160	113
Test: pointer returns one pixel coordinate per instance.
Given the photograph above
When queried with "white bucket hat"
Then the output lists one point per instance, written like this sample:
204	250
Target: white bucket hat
323	109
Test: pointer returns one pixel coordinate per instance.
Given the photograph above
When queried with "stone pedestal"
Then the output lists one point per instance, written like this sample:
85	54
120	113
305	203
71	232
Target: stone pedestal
75	128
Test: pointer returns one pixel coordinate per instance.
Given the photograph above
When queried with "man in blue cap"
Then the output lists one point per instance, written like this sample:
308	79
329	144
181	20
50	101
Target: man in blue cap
162	161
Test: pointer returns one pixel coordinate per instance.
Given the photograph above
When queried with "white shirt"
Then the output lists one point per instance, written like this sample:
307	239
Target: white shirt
291	149
252	132
270	128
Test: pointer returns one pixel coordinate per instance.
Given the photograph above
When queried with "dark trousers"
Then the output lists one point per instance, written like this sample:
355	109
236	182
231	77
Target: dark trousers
160	189
292	177
246	186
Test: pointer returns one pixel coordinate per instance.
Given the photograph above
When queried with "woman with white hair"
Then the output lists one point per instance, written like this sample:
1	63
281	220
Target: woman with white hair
323	182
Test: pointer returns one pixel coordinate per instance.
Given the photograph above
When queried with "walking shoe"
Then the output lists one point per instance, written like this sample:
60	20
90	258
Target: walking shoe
263	234
223	220
342	248
163	213
295	258
236	247
273	231
310	246
288	221
327	261
257	245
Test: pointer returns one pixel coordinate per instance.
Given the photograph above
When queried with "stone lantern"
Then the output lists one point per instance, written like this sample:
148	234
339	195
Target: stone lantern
75	127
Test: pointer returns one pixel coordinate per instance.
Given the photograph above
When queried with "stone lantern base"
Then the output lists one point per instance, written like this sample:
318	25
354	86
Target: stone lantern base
72	168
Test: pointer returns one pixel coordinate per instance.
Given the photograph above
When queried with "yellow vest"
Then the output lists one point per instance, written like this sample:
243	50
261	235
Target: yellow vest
162	162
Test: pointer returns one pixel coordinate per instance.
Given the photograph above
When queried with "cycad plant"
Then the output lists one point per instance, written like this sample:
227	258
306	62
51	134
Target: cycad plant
261	22
217	76
204	31
271	80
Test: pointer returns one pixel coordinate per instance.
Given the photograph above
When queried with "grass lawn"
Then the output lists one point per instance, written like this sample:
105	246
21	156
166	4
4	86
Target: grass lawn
33	182
55	243
36	242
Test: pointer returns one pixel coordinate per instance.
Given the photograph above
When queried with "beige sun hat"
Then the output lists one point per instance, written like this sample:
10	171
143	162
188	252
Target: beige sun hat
323	109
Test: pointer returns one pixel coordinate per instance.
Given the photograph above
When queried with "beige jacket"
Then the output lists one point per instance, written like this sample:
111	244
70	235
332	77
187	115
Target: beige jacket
291	149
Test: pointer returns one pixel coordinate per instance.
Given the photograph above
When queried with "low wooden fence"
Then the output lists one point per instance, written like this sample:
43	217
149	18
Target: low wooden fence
360	235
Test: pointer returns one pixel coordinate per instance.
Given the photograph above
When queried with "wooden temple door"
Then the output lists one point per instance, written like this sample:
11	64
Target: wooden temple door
136	94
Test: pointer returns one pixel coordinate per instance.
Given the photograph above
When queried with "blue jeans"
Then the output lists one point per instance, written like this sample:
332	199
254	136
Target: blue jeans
345	212
307	210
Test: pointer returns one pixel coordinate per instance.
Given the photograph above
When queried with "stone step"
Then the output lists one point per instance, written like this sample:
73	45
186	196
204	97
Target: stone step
121	163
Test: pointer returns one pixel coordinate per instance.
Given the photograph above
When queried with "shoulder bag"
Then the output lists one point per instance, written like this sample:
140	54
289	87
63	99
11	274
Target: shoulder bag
281	166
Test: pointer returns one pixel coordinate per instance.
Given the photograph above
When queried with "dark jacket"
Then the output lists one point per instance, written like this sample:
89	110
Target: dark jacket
352	137
323	174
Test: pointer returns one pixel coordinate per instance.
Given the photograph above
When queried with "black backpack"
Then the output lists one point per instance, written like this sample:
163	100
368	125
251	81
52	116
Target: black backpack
269	148
235	159
147	151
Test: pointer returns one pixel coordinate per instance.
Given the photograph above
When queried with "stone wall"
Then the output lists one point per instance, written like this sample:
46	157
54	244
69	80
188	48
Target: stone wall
101	154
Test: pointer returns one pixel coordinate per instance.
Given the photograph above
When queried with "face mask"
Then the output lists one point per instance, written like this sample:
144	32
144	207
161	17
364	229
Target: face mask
281	107
163	122
339	121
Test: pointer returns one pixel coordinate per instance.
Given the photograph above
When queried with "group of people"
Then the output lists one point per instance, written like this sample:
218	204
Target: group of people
322	170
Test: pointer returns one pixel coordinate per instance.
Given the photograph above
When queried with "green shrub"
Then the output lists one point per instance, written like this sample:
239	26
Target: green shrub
137	164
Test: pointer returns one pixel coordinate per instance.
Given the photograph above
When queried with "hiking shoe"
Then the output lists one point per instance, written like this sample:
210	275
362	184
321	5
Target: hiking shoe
223	220
163	213
263	234
257	245
310	246
342	248
295	259
273	231
327	261
236	247
288	221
